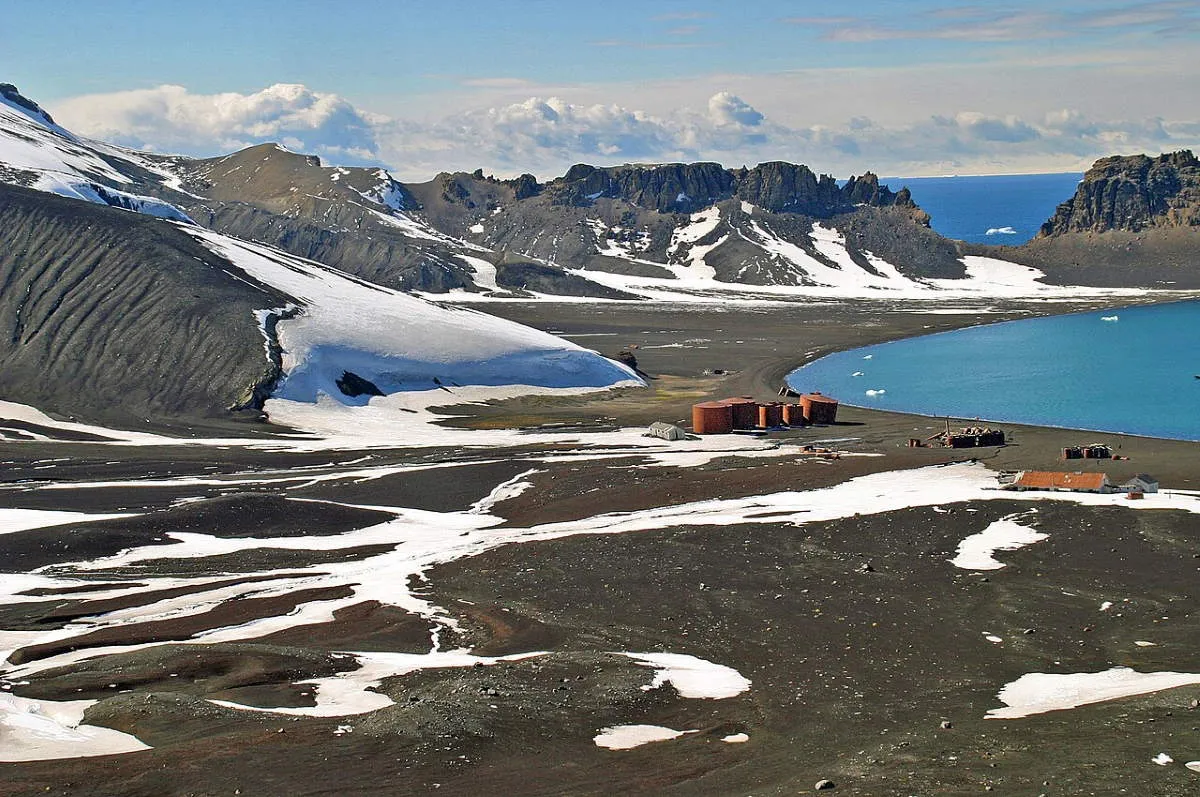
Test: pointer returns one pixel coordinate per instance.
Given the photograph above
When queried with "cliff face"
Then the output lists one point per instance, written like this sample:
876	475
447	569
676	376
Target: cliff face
687	187
1132	194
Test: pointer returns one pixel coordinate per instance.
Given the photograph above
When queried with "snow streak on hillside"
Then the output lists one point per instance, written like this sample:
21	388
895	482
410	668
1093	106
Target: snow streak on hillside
819	264
398	342
39	154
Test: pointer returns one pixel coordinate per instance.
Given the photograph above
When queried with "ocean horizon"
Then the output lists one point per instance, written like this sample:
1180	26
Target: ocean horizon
1002	210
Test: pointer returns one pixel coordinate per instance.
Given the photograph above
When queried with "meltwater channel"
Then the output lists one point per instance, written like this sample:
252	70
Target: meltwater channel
1134	370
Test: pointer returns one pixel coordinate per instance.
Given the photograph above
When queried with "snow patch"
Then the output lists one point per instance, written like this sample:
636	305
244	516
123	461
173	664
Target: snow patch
1006	534
627	737
38	730
691	676
75	188
1038	693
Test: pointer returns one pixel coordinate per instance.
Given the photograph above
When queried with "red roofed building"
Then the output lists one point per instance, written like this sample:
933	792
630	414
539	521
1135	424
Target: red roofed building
1062	482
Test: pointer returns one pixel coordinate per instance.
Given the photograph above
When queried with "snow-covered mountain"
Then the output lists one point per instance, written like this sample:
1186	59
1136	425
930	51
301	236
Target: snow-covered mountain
628	232
38	153
118	308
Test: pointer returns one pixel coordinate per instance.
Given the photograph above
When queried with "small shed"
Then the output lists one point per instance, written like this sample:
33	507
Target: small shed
1141	483
667	431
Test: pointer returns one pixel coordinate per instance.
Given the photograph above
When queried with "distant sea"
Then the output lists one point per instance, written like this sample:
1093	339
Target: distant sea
1130	370
1002	210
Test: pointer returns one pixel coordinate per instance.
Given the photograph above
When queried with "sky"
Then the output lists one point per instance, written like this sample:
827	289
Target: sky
908	88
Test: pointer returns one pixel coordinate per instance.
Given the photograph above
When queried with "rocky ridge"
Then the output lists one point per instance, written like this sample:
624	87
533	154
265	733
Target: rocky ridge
1132	193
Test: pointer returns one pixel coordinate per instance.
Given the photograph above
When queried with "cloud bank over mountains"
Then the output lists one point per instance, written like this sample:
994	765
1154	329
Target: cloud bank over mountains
544	135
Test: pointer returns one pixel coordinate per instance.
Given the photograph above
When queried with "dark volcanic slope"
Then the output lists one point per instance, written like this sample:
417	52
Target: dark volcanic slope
335	215
122	319
1133	221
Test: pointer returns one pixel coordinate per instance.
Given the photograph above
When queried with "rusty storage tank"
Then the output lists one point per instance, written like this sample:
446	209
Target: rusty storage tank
793	414
712	417
819	408
745	412
770	415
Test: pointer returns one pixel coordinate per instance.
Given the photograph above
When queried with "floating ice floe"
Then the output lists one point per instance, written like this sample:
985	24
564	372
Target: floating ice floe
878	392
1000	231
1110	318
1038	693
975	552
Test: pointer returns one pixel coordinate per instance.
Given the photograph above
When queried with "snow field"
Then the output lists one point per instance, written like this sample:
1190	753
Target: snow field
399	342
425	539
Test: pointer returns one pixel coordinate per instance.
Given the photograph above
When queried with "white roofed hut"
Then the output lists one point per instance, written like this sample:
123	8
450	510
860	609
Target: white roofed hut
667	431
1141	483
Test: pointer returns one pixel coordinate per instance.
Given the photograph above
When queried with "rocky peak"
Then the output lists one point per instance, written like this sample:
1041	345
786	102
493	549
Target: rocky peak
1132	193
687	187
666	188
10	93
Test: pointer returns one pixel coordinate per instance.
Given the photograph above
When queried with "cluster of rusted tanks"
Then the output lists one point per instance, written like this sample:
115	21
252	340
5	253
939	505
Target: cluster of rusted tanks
1093	451
744	413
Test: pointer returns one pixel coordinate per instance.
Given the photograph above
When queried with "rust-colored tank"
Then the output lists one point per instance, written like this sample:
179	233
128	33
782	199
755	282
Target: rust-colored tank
770	415
793	414
745	412
819	408
712	417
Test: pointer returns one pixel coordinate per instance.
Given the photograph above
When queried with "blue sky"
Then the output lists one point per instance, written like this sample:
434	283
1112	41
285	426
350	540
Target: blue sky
532	85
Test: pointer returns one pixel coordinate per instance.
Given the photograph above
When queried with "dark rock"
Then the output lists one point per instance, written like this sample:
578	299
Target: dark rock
9	92
354	385
1132	193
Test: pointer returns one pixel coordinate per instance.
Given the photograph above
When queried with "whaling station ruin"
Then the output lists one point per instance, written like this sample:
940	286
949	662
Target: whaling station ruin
745	414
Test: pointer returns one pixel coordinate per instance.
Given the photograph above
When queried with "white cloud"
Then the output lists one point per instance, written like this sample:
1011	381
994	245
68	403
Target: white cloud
727	109
171	119
545	135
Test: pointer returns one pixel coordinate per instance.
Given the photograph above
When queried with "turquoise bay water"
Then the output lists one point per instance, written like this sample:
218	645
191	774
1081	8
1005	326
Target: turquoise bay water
1134	373
1013	206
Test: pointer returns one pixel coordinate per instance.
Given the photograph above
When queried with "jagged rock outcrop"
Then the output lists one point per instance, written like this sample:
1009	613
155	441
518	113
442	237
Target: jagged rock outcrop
124	320
1132	193
1134	221
776	186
